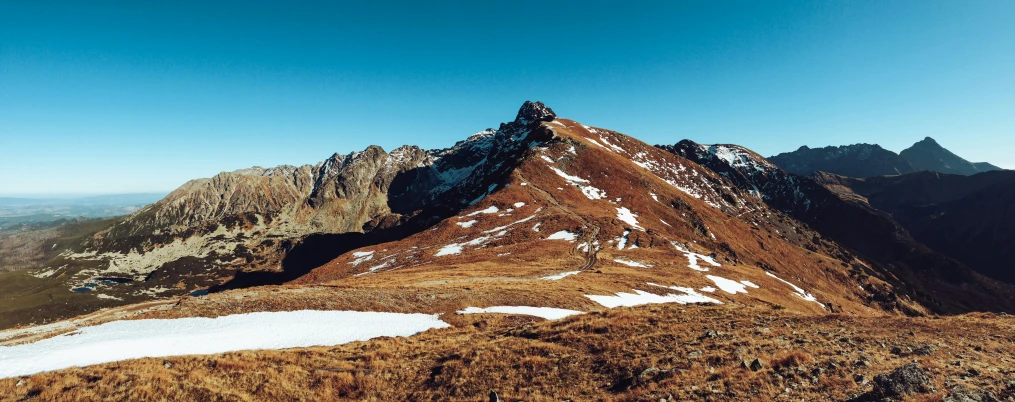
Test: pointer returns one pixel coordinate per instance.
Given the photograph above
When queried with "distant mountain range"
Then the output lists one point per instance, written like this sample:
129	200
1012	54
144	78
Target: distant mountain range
536	195
869	160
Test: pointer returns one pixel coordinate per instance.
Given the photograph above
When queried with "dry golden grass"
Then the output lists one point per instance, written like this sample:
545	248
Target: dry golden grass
646	353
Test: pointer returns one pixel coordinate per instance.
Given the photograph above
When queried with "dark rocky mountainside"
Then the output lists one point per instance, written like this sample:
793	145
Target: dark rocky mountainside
869	160
857	160
965	217
934	278
929	155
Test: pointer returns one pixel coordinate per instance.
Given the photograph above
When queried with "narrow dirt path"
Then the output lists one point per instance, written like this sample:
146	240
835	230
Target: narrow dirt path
591	254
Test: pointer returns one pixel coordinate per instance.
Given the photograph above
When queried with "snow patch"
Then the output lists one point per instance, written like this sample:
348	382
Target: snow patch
132	339
489	210
361	256
639	297
729	286
631	263
467	224
548	313
628	217
560	276
450	249
563	235
797	291
693	258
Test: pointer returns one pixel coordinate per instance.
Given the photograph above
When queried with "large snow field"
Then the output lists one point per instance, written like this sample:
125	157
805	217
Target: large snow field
121	340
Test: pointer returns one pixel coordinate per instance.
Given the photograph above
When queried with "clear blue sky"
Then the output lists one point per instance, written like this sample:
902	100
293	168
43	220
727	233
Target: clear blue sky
135	96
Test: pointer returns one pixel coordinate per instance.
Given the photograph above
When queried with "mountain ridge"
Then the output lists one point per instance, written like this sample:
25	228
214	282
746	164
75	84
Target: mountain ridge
869	160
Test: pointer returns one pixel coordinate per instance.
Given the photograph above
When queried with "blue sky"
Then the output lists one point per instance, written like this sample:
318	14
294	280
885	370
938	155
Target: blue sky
112	97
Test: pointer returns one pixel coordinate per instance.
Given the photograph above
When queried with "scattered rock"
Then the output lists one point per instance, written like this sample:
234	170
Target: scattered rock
757	364
20	383
695	353
494	397
649	372
167	365
962	394
860	379
904	380
896	351
925	350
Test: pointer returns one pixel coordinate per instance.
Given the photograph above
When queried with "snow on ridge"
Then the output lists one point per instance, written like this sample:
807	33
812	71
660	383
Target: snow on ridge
560	276
131	339
467	224
548	313
798	292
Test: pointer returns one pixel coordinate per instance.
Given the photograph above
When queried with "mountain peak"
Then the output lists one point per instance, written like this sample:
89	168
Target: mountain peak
534	111
928	141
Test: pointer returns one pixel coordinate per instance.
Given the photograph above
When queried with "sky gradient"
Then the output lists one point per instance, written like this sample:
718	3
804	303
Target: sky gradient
119	97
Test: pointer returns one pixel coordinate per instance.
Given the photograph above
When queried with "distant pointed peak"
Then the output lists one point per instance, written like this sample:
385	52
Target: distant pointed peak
534	111
928	141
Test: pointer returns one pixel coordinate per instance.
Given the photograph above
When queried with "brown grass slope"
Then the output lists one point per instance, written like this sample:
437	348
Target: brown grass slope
650	353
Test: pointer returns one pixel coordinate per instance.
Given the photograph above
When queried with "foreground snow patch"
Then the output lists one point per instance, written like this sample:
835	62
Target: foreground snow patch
548	313
121	340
